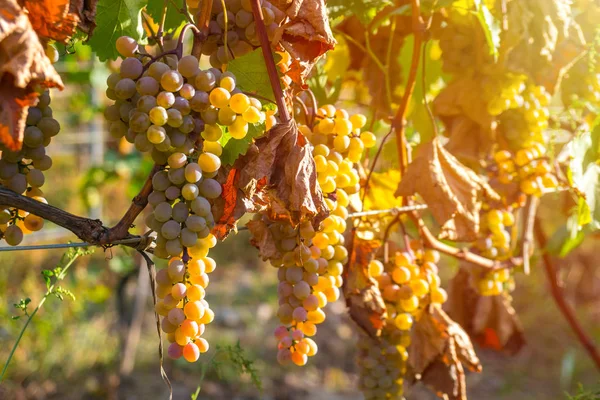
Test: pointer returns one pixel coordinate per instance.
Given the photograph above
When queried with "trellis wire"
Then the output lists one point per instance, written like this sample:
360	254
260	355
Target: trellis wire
359	214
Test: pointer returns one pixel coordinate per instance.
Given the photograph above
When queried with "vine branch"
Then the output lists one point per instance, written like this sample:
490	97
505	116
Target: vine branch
269	60
559	299
89	230
399	122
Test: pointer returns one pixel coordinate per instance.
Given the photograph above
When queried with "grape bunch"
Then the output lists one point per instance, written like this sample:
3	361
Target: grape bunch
181	290
523	126
23	171
463	44
236	25
310	263
309	274
178	113
409	283
529	168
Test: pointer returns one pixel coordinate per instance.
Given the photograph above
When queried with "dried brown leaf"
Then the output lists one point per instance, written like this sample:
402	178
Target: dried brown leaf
58	19
306	35
452	191
24	68
439	351
491	321
363	298
263	239
281	165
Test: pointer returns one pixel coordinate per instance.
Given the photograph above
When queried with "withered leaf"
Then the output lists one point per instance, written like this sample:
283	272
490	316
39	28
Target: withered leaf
452	191
491	321
23	67
58	19
285	170
263	239
306	35
439	352
233	204
363	298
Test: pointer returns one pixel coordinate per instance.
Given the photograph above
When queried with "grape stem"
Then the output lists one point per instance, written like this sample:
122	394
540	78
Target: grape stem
432	242
269	61
399	121
528	221
139	202
558	296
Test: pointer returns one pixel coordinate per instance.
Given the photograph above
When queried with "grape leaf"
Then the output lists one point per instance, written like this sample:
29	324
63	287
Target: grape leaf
452	191
115	18
365	10
24	66
251	74
233	148
174	17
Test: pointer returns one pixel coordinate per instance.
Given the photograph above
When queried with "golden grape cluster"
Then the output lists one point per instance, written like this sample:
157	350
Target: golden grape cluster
23	171
409	283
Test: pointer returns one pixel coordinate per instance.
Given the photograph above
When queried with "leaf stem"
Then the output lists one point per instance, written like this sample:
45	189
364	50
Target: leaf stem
269	61
559	299
42	301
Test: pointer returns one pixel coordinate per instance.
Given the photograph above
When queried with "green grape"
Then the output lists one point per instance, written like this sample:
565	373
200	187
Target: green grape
239	128
158	116
172	192
239	103
125	89
174	118
171	81
200	206
147	85
176	175
145	103
226	116
165	99
189	66
111	113
209	162
162	211
210	116
180	212
156	134
33	136
195	223
210	188
189	191
187	91
131	68
205	81
182	105
142	143
112	80
49	126
13	235
139	122
193	173
200	101
219	97
126	46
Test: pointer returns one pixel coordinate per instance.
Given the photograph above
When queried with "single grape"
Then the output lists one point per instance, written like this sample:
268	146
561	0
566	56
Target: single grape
188	66
171	81
126	46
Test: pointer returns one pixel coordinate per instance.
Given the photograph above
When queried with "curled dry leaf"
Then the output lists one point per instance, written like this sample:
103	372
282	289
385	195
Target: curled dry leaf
491	321
439	351
263	240
452	191
24	68
469	126
281	165
58	19
363	298
305	35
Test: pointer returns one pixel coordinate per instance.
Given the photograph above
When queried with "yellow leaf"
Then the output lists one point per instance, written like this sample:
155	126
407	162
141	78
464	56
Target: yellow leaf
382	187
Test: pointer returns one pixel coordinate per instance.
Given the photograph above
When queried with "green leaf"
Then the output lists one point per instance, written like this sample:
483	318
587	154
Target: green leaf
364	10
233	148
563	241
174	18
116	18
584	174
490	25
251	74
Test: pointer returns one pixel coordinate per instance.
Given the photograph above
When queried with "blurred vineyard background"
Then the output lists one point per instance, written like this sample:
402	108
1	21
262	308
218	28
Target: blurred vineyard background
103	345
